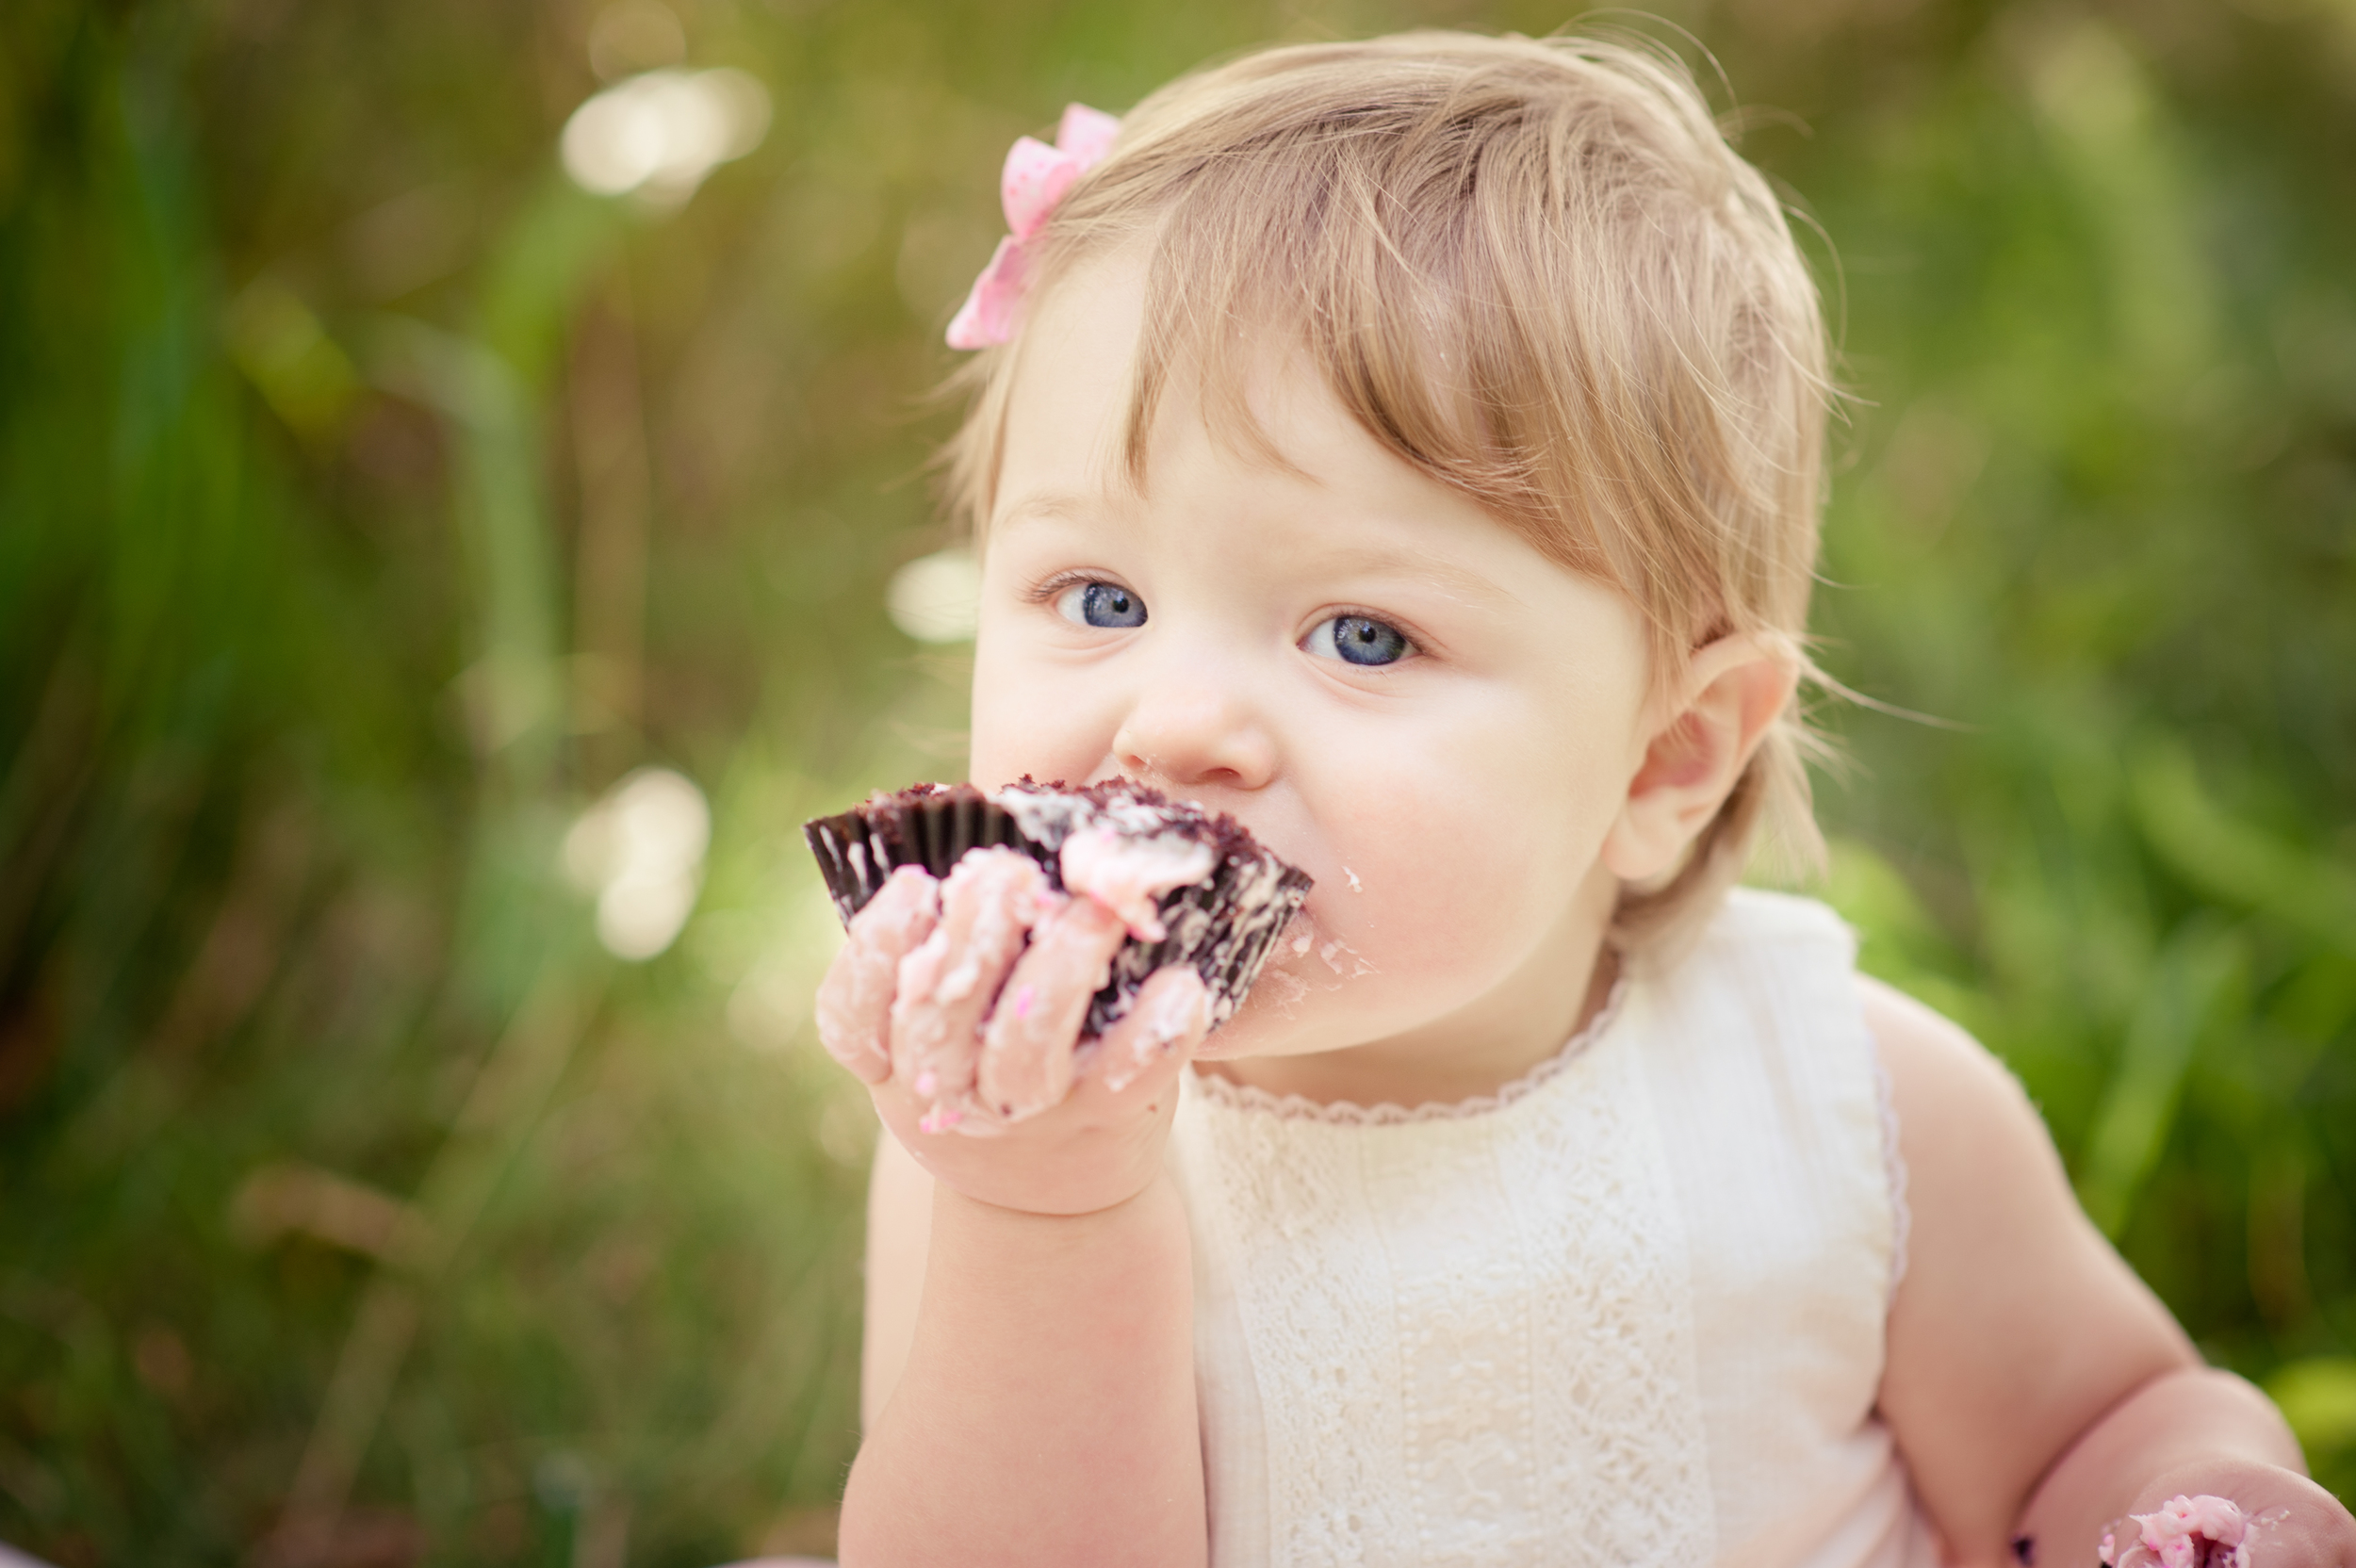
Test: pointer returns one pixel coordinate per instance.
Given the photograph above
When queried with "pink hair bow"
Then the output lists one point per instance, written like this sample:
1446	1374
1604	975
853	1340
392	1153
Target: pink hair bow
1035	179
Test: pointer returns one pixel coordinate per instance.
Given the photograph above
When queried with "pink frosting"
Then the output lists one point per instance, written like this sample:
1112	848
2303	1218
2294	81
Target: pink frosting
2184	1532
1026	1057
853	1003
989	901
1129	876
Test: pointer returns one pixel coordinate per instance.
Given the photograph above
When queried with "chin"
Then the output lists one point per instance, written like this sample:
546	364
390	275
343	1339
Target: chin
1256	1030
1271	1017
1296	1008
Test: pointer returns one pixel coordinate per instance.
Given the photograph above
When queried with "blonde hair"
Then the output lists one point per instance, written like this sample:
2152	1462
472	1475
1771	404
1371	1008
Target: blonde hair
1534	269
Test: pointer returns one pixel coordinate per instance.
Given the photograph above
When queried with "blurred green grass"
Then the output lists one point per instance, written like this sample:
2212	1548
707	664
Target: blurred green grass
371	500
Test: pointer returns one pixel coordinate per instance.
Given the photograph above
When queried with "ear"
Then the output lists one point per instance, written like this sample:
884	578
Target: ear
1733	691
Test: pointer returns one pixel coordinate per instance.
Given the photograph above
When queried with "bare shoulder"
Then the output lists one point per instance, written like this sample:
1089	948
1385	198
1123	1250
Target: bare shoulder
899	1233
1955	1101
1923	1036
2017	1325
1990	1201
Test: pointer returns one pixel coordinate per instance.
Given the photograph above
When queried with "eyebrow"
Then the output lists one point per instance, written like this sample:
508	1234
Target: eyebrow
1067	505
1355	560
1426	565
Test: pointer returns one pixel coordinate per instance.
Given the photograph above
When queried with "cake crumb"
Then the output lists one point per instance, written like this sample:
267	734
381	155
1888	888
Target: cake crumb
1333	953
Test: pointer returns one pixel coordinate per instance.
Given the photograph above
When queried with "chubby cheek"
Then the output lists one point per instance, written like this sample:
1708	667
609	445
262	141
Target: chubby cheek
1429	894
1415	938
1471	833
1440	906
1026	721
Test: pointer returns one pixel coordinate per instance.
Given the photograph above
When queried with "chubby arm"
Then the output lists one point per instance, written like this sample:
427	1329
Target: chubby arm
1029	1383
2037	1388
899	1234
1029	1373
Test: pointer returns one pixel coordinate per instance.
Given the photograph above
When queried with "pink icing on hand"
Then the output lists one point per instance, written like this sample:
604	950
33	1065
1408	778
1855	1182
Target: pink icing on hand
1171	1008
2186	1532
1130	875
854	1003
1027	1045
989	901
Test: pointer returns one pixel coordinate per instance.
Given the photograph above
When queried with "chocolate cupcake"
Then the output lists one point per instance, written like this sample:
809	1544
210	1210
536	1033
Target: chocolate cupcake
1194	888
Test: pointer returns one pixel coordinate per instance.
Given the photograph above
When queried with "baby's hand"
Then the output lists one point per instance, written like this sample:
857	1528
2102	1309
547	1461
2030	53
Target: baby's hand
960	1003
2232	1514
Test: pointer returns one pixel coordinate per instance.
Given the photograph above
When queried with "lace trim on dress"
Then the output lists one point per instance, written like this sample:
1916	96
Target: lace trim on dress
1893	1172
1344	1112
1470	1342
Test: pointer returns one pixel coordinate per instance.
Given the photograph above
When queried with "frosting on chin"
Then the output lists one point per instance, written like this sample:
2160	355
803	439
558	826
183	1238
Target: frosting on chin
1129	876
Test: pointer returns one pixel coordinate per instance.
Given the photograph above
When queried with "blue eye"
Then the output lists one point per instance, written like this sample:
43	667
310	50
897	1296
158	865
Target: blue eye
1360	640
1101	604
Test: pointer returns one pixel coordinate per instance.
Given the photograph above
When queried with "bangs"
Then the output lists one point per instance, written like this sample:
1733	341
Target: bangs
1326	263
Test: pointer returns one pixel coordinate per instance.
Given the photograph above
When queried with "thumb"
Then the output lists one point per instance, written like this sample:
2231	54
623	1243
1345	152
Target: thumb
1158	1036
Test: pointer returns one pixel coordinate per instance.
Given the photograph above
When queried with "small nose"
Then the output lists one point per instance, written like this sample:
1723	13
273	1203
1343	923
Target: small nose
1192	731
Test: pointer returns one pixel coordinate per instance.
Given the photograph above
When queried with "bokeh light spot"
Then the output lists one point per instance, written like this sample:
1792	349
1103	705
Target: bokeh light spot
660	133
937	598
639	851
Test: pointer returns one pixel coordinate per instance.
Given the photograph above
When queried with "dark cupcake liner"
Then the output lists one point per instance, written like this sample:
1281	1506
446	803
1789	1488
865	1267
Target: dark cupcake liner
1224	928
930	825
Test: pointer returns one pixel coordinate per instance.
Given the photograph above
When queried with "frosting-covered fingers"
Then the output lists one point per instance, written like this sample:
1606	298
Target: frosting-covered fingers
989	903
853	1003
1170	1017
1027	1047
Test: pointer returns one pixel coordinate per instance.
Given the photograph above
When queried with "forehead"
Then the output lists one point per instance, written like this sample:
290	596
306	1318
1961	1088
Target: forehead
1105	398
1074	383
1307	484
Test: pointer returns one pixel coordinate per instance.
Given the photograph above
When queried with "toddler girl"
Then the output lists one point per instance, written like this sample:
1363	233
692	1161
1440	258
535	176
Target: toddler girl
1412	448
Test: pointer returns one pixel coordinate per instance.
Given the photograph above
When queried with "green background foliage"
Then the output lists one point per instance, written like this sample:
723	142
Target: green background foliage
371	500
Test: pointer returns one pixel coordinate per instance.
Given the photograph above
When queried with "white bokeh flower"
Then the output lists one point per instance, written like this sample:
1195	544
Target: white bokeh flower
661	132
937	598
640	852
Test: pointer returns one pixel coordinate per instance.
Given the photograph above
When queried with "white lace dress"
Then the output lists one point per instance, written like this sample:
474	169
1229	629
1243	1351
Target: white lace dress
1628	1311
